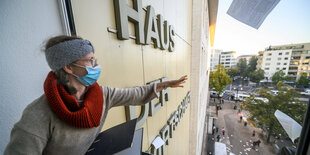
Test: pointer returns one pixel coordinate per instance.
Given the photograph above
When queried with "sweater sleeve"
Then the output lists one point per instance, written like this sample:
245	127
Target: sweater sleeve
31	133
129	96
23	142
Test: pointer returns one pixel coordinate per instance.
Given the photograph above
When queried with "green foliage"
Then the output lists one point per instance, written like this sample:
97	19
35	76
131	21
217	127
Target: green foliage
252	64
233	71
278	76
286	101
242	67
257	75
287	78
303	80
219	79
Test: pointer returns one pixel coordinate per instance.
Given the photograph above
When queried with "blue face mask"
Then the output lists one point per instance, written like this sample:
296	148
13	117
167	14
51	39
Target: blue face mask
92	76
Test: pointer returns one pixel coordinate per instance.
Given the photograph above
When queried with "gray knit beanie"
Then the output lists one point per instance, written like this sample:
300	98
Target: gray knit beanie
64	53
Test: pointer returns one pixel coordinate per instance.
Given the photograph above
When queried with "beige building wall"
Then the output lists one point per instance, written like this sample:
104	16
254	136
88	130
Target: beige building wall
202	29
126	64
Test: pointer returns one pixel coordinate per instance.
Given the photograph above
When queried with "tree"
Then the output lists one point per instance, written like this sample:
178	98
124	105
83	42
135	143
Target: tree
303	80
219	79
257	75
252	64
278	76
263	112
233	71
242	67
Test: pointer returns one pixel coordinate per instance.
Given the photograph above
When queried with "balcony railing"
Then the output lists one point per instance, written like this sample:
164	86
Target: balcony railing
293	70
296	54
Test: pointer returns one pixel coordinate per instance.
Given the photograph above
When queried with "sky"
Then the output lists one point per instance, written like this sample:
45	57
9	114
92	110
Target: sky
287	23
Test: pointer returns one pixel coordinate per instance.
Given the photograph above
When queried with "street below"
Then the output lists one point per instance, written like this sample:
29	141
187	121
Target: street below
238	137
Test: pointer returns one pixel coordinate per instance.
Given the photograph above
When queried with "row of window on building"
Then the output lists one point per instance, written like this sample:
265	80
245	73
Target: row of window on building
292	59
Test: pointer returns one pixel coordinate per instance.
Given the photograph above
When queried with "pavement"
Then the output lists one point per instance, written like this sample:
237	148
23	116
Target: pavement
238	138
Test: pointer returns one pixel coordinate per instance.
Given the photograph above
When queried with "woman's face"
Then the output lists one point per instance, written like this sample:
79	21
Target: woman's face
84	61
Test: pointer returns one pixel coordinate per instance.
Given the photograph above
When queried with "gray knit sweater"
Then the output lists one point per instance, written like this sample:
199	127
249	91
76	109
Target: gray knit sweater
40	131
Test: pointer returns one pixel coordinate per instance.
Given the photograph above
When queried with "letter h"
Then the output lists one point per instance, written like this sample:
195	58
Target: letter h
123	13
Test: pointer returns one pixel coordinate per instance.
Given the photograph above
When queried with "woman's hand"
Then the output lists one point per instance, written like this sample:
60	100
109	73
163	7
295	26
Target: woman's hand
177	83
172	84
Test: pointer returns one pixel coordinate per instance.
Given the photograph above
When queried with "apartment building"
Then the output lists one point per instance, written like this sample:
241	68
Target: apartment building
293	59
228	59
215	58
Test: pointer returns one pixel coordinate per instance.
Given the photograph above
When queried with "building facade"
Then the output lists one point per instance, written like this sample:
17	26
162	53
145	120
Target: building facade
292	59
228	59
260	59
215	58
153	45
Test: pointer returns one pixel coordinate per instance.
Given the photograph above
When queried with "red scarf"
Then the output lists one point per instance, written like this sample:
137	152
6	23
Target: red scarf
66	107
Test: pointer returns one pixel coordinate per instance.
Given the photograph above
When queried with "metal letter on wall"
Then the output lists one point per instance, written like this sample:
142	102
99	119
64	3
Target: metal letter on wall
180	112
131	114
172	122
153	105
164	134
171	38
157	151
148	109
167	131
164	94
122	13
163	30
151	28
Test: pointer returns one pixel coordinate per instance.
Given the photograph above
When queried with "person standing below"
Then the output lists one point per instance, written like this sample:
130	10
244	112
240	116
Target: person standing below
232	97
245	123
254	145
253	134
258	142
218	137
235	107
223	131
72	110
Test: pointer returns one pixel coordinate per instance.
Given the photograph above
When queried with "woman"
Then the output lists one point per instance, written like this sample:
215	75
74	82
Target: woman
70	114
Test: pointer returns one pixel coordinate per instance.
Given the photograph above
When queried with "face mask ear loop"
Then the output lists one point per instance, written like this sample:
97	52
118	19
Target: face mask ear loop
78	78
78	65
75	75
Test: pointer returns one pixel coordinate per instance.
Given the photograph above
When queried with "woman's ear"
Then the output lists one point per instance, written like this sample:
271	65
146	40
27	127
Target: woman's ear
68	69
